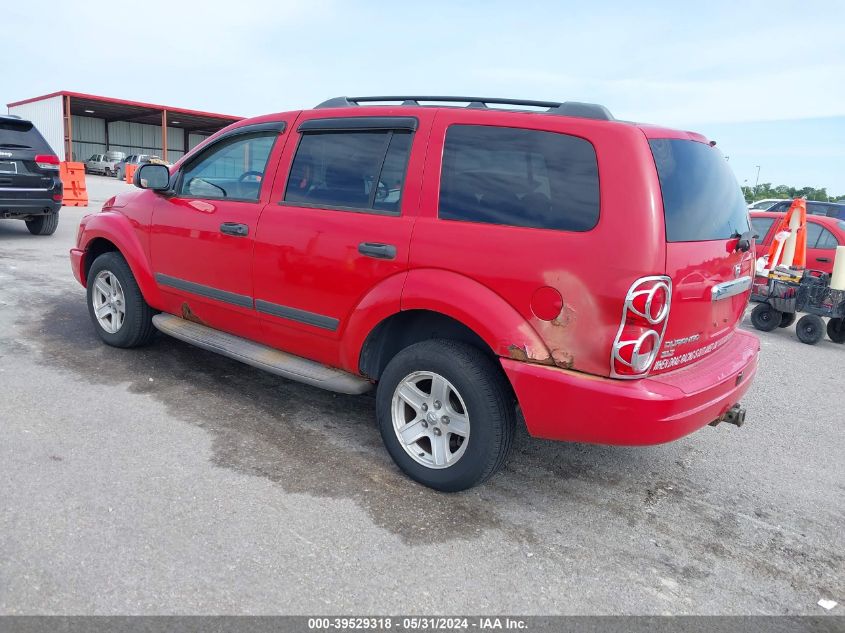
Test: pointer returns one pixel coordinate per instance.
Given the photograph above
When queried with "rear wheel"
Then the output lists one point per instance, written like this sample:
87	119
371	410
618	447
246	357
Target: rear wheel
445	414
765	318
836	330
786	319
117	308
107	172
810	329
43	224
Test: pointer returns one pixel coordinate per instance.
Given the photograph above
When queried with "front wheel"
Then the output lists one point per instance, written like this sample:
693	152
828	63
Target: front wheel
836	330
446	414
765	318
117	308
810	329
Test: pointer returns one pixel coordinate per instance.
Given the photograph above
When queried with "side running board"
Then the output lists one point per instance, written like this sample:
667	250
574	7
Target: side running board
260	356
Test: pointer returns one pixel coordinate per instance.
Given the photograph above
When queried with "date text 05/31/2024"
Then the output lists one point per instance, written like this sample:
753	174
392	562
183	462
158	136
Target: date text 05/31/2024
416	623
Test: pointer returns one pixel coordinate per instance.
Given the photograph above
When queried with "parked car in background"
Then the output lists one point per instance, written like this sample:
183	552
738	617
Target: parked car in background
830	209
105	164
134	159
824	234
355	245
765	205
30	186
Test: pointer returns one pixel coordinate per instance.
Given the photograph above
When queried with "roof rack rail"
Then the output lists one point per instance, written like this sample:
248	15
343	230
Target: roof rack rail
566	108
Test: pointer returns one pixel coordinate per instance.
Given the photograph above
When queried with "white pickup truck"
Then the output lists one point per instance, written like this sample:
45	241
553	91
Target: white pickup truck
105	164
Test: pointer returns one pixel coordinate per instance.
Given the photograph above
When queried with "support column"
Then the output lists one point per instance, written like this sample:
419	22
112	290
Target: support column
68	130
164	135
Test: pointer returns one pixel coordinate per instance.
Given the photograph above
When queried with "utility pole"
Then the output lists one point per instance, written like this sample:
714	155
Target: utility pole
757	180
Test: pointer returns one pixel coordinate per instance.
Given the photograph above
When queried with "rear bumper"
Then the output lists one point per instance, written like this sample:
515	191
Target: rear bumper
566	405
21	207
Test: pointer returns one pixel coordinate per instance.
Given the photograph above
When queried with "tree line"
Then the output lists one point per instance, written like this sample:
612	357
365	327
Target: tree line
766	190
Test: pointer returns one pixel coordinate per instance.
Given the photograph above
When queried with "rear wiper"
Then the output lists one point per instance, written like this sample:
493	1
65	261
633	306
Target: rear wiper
14	146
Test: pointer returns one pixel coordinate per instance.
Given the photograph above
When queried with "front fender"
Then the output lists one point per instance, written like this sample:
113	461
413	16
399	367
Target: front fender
116	228
483	311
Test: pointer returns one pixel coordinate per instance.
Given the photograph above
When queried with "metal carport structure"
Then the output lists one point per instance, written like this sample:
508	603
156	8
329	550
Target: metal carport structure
77	125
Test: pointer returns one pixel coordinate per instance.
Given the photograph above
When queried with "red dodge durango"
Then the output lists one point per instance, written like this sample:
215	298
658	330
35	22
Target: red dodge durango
477	261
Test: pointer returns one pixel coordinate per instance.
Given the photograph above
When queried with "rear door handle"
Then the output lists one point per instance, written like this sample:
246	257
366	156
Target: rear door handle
822	259
233	228
379	251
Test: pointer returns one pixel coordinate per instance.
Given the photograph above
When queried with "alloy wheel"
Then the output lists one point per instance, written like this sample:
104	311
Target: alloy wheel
108	301
430	419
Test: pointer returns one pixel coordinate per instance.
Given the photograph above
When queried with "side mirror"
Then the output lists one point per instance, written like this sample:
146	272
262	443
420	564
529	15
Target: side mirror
150	176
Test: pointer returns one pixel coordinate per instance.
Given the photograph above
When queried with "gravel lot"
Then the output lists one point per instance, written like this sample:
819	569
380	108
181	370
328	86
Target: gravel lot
171	480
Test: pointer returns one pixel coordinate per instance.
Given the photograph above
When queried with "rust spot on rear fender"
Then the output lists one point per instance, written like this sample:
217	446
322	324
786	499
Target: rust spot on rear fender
558	358
522	354
566	316
562	358
189	315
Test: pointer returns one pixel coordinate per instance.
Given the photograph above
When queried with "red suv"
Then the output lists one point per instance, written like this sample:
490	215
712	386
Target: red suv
476	264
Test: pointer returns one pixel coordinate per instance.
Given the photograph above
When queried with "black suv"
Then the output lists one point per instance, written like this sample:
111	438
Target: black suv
830	209
30	186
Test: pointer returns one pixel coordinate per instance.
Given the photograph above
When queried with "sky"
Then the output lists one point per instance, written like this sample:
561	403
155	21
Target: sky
765	80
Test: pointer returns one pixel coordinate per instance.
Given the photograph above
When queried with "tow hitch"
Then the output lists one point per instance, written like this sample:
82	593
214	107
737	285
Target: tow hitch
735	415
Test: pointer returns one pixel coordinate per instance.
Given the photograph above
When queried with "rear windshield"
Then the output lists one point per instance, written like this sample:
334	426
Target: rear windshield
22	135
702	200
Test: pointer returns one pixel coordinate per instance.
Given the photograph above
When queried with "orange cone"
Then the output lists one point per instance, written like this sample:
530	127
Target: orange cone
792	250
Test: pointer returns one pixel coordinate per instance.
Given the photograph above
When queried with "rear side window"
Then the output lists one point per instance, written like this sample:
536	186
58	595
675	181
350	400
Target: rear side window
814	231
22	135
516	177
826	240
702	200
761	227
356	170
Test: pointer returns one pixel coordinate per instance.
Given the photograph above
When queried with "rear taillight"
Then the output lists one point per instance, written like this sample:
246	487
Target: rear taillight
640	335
47	161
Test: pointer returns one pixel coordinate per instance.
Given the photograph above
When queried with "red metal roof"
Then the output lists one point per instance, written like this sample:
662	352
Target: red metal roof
141	104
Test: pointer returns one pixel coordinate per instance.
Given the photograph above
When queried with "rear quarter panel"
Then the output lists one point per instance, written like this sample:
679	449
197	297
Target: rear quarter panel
592	270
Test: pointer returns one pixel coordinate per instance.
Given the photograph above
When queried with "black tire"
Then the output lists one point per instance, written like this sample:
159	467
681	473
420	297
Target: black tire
137	328
810	329
787	319
765	318
107	173
489	406
43	224
836	330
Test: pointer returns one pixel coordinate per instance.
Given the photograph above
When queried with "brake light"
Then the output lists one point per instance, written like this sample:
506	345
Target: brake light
47	161
640	334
